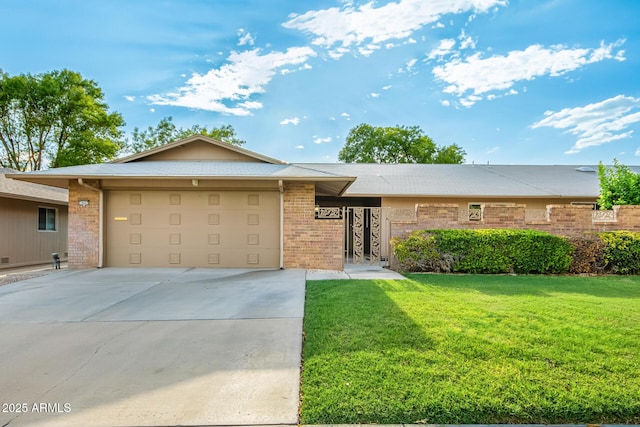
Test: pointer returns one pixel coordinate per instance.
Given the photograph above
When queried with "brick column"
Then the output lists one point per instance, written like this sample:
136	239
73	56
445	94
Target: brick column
308	242
84	227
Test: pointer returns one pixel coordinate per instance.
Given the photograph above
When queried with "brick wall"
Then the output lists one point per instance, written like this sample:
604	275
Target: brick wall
628	218
84	227
308	242
565	220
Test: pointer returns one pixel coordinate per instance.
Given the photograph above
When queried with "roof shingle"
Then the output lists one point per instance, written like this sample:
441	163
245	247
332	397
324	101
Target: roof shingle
14	189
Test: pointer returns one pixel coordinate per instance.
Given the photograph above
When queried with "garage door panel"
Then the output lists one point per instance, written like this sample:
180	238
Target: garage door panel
192	228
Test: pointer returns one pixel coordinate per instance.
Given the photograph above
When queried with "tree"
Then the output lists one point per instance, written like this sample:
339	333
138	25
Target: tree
166	132
619	185
398	144
55	119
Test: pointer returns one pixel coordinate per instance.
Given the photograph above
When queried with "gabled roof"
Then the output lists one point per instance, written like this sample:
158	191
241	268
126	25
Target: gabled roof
10	188
201	157
184	169
200	138
195	157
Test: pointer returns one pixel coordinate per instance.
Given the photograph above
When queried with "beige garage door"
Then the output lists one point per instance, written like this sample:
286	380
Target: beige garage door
192	229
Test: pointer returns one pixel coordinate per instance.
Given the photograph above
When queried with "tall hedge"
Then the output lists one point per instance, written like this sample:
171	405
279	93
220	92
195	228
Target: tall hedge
484	251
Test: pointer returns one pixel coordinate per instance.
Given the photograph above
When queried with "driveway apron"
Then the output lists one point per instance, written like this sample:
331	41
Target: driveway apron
149	347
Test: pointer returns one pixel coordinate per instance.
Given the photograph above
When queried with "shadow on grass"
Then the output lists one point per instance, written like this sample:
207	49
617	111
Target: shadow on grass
536	285
359	352
456	349
343	318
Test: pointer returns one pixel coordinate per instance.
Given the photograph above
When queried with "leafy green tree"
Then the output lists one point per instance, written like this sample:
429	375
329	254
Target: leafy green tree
619	185
398	144
55	119
166	132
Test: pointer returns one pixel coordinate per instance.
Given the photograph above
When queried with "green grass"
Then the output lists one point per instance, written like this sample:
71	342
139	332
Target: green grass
472	349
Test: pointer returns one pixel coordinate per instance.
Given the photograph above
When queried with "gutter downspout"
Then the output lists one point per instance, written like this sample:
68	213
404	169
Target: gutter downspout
281	188
100	220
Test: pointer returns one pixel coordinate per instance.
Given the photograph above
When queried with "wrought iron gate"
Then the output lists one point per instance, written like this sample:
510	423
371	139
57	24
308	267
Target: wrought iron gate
364	237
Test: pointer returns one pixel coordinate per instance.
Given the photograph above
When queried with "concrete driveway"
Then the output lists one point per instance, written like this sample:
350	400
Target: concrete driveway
149	347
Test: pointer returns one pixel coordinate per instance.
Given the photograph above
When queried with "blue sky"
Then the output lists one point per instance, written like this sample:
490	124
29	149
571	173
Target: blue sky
512	82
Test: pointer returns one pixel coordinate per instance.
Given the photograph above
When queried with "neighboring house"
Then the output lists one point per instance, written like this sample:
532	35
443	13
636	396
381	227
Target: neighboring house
202	203
33	222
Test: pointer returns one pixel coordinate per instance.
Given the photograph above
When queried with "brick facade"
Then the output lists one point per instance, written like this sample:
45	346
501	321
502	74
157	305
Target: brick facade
84	227
308	242
564	220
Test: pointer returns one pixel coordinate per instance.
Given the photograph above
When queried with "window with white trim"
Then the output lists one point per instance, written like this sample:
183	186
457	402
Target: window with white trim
47	219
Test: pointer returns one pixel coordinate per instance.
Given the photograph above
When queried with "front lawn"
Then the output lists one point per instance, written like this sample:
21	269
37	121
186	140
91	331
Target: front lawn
472	349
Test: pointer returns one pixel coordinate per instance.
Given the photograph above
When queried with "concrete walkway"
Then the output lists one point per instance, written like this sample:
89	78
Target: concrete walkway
152	347
355	272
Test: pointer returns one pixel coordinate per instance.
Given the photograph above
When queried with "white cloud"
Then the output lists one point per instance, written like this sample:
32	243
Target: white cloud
387	87
346	116
444	48
445	103
245	38
375	95
595	124
228	89
130	98
493	150
251	105
368	49
410	64
637	152
466	41
292	121
470	100
338	53
480	75
341	29
321	140
153	110
299	147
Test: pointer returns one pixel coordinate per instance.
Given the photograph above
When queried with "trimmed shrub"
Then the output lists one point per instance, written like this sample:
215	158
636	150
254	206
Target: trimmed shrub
418	252
483	251
588	254
621	251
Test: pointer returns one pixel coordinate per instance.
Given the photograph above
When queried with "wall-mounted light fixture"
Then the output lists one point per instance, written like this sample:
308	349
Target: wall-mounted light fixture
83	203
194	182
